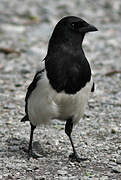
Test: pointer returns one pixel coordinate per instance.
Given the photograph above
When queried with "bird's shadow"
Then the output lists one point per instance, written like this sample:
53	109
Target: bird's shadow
19	148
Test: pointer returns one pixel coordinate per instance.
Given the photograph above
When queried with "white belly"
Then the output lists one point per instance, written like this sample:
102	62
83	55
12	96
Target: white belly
73	105
44	104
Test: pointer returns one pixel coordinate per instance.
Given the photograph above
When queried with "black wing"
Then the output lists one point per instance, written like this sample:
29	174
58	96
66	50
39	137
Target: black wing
31	87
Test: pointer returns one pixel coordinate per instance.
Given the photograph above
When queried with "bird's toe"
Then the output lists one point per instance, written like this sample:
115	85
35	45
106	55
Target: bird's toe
33	155
74	157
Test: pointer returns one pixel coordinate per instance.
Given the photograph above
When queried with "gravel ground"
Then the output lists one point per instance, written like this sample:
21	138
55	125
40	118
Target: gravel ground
25	27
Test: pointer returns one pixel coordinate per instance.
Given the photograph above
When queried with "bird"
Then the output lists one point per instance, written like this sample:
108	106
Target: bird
62	86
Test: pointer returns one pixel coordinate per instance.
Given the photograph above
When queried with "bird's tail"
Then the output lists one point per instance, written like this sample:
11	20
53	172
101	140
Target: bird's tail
25	118
93	87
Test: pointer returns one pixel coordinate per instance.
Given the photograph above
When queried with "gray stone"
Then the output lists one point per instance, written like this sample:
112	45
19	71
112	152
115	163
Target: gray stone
117	169
63	178
118	160
62	172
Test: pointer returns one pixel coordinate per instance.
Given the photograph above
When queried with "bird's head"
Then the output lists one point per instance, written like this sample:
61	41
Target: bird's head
80	26
71	29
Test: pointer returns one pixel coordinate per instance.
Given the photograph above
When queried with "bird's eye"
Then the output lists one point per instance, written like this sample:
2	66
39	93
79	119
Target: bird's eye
73	25
78	25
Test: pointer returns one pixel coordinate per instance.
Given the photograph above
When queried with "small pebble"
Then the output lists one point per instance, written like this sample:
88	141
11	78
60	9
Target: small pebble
61	172
118	160
73	178
63	178
117	169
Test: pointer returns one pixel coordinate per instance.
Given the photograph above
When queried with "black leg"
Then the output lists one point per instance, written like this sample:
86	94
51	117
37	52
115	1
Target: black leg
30	153
68	130
31	138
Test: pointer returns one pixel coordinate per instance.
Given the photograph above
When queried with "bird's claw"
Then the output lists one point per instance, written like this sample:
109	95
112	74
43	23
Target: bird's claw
74	157
33	155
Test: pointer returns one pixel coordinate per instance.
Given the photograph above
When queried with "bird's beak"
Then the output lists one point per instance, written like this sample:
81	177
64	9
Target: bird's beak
91	28
88	28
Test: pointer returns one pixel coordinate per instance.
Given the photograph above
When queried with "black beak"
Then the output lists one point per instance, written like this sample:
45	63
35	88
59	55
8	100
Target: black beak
88	28
91	28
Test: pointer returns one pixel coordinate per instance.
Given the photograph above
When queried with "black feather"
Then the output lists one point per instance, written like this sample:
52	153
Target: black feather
93	87
31	87
67	67
67	72
25	118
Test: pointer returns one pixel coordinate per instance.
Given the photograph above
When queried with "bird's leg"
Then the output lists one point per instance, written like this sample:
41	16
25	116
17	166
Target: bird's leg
31	138
68	130
30	153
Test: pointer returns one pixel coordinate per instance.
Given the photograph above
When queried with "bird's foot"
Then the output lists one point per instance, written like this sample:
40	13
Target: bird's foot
74	157
33	155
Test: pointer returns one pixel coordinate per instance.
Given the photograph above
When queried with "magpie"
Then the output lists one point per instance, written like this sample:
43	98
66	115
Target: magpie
61	88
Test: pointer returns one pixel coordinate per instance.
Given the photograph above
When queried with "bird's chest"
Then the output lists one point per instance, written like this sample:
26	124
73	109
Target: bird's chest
73	105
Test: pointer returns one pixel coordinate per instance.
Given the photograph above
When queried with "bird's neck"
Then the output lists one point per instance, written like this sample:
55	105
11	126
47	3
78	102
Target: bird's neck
66	43
72	47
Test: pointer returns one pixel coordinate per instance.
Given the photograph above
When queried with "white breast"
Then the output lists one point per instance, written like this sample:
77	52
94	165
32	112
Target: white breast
73	105
45	104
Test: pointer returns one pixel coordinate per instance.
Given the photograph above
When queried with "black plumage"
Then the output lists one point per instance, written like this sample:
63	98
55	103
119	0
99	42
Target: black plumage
31	87
69	74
